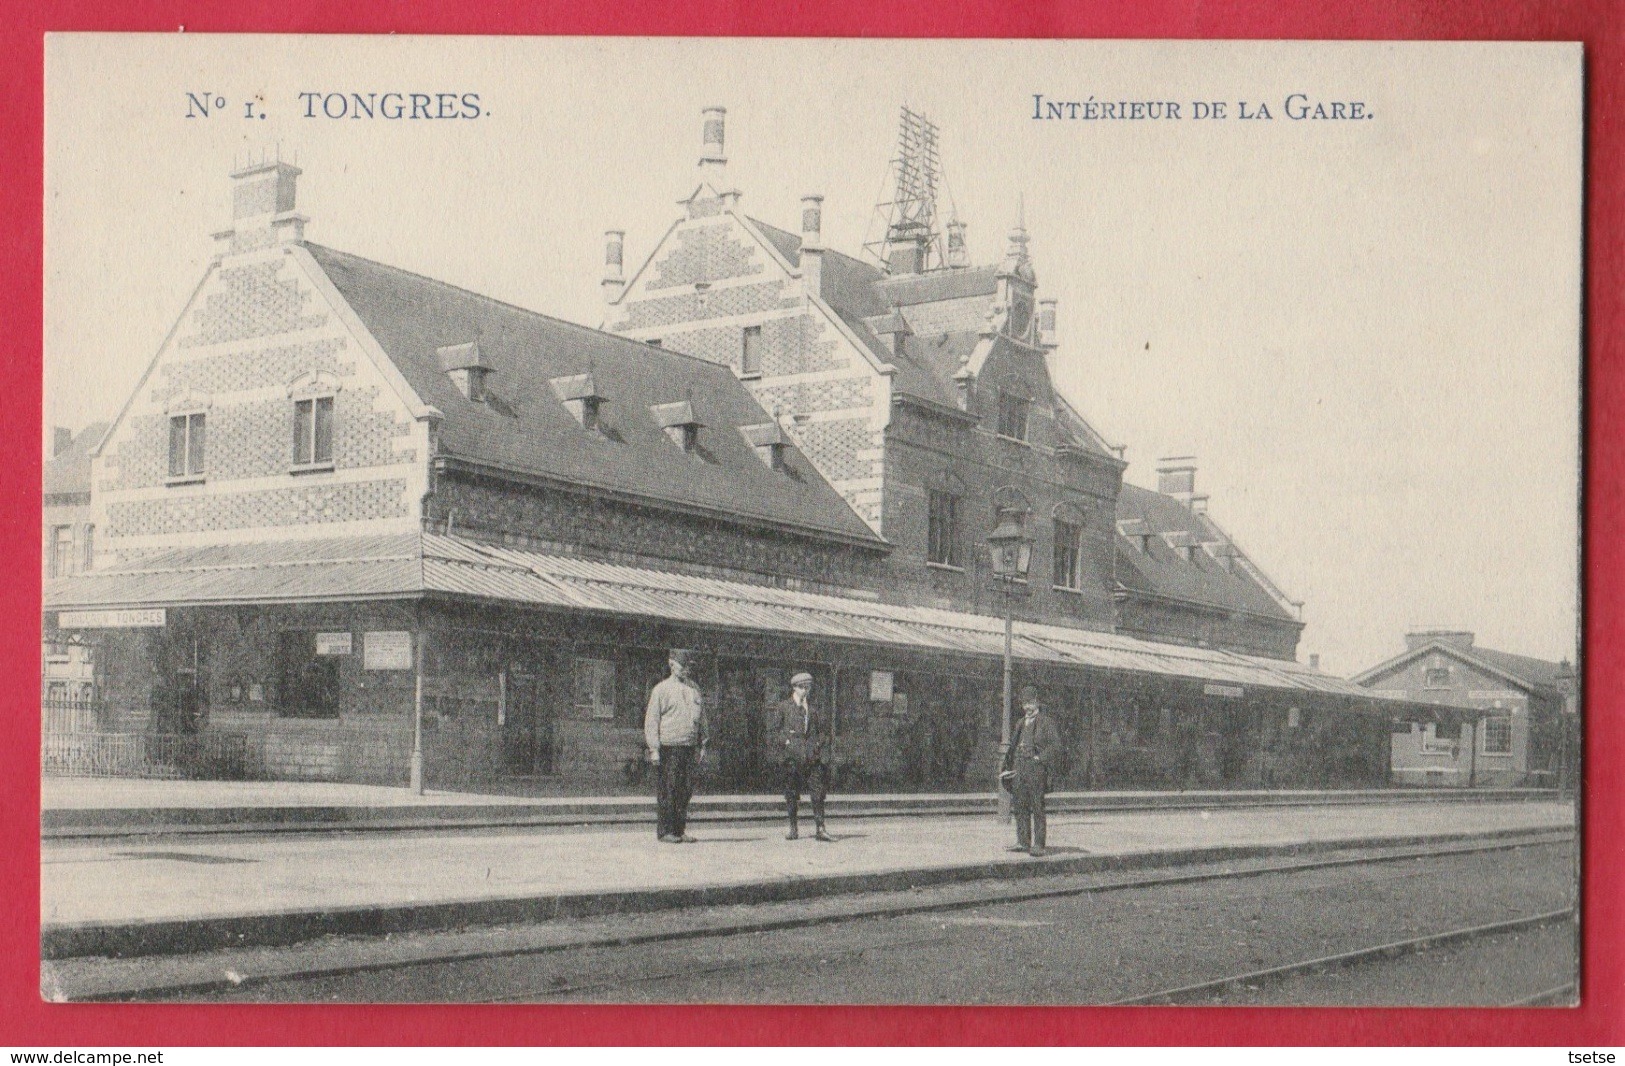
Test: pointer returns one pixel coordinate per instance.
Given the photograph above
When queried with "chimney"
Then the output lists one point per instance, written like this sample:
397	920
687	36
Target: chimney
1176	477
614	283
1314	660
812	244
61	438
958	256
1456	638
262	208
466	367
906	255
1199	504
1046	323
713	157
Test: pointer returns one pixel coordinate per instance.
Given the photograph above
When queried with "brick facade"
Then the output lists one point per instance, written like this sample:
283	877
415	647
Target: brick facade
259	328
809	367
585	523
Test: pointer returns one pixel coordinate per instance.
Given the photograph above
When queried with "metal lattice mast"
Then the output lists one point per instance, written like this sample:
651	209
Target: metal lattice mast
909	218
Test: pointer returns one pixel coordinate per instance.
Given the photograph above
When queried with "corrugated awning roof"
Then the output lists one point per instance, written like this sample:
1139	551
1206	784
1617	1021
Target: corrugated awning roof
429	564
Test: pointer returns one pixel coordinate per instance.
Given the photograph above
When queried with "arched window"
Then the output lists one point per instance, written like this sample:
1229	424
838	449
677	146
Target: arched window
1068	521
313	398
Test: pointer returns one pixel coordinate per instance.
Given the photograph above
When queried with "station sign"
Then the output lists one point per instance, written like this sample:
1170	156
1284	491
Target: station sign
332	644
142	618
389	649
1229	692
880	686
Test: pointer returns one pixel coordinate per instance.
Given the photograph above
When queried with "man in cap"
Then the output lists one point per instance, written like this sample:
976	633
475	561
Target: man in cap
801	732
673	728
1034	750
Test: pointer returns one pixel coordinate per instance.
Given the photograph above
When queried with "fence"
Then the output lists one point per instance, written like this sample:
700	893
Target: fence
206	756
94	738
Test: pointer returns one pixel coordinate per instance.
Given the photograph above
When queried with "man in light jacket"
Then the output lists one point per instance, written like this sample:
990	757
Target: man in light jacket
674	729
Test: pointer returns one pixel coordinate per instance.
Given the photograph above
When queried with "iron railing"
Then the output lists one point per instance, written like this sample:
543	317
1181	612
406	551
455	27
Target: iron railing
210	756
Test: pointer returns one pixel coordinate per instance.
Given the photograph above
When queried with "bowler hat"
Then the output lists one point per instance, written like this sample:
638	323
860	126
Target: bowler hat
1029	692
803	678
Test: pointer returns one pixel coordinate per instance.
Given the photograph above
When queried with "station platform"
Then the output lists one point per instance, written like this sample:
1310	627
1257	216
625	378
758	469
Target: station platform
163	896
111	807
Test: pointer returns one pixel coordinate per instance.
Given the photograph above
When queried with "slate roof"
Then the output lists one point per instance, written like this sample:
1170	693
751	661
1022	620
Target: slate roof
852	288
1537	672
68	472
863	296
527	429
415	564
1165	571
1531	672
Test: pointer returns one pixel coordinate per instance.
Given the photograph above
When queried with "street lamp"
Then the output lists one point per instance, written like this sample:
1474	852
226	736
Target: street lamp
1012	555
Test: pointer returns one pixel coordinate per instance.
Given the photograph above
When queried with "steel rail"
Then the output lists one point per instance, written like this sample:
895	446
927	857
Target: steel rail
1343	959
1558	996
882	909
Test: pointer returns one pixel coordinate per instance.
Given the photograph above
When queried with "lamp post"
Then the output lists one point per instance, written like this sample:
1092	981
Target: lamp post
1012	555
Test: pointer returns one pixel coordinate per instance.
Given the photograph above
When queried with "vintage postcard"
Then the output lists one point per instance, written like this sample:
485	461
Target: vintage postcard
811	521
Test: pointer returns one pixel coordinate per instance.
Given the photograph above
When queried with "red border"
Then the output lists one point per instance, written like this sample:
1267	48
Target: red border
24	1020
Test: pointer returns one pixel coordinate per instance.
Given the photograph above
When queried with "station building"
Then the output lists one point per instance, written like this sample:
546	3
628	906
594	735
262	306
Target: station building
350	510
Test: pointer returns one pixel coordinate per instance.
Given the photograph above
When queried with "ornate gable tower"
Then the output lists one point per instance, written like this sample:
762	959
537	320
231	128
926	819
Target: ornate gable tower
732	290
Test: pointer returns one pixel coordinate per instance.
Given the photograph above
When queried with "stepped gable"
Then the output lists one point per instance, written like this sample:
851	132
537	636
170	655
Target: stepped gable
522	426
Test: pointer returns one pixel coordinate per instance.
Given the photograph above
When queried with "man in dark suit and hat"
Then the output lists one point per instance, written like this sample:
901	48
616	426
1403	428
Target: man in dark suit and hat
1035	749
801	733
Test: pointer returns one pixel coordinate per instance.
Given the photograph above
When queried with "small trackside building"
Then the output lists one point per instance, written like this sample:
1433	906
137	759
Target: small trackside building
1478	717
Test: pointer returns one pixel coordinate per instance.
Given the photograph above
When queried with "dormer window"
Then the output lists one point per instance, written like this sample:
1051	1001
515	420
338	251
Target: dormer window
768	441
467	367
1138	532
581	398
679	422
1183	543
1013	416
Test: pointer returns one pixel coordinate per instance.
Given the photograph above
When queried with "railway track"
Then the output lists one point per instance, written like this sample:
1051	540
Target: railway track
208	979
1206	989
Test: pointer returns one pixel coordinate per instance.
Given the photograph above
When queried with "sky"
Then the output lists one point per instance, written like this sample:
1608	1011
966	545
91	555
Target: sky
1366	331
